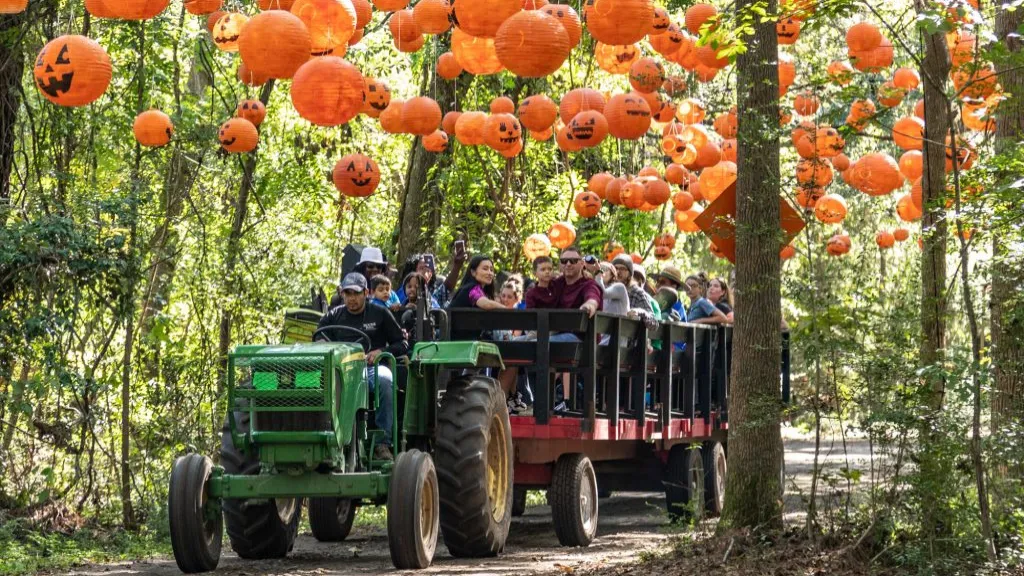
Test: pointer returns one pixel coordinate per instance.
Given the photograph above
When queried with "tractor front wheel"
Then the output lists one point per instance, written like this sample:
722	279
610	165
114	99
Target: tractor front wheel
331	519
413	511
474	467
197	525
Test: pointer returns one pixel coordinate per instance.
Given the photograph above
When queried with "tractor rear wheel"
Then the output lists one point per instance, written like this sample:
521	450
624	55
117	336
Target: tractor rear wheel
715	468
197	525
684	483
574	500
331	519
413	511
474	467
258	529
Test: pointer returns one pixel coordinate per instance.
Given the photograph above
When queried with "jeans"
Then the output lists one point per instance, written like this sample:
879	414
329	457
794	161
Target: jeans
565	337
385	417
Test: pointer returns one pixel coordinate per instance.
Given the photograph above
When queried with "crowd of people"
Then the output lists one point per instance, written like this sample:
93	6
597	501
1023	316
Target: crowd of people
366	300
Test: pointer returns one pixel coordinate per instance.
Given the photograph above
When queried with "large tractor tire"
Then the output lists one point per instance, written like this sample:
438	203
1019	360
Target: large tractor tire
473	455
413	511
715	470
684	483
197	525
258	529
574	500
331	519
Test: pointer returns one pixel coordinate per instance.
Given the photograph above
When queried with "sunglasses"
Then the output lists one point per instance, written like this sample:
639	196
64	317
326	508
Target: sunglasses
570	261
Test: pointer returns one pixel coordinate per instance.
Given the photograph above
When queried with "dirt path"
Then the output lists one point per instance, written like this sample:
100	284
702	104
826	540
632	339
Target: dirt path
630	524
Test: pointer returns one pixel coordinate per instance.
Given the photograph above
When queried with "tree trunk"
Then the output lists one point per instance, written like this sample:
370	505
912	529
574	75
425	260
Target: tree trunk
233	284
1008	274
755	441
12	65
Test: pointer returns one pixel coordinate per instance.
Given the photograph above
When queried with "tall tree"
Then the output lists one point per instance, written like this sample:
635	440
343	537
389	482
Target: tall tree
1008	265
755	441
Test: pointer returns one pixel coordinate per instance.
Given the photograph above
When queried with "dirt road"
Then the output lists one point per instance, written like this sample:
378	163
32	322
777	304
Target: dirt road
630	524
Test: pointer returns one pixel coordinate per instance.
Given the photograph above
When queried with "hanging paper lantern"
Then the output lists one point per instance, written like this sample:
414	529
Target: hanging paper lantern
901	234
356	175
828	143
569	20
579	100
961	46
863	36
908	133
391	119
717	179
421	116
476	55
482	18
211	20
588	128
99	9
906	78
136	9
562	235
275	44
874	60
502	131
616	59
536	245
656	191
841	72
328	91
975	81
632	194
806	104
197	7
808	196
841	162
391	5
238	135
618	21
907	210
364	13
830	209
228	30
449	121
814	172
72	71
787	30
410	46
646	75
727	125
628	115
537	112
469	129
697	15
376	97
885	240
436	141
670	42
330	23
598	183
433	16
690	111
448	66
153	129
252	110
587	204
403	26
532	44
876	174
838	245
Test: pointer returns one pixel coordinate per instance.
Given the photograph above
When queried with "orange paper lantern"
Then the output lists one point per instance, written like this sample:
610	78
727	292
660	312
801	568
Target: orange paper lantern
153	129
537	112
449	121
476	55
356	175
469	129
252	110
197	7
562	235
275	44
72	71
908	133
391	119
436	141
238	135
588	128
628	115
482	18
227	30
579	100
587	204
646	75
421	116
328	91
532	44
697	15
330	23
569	20
376	97
618	21
433	16
448	66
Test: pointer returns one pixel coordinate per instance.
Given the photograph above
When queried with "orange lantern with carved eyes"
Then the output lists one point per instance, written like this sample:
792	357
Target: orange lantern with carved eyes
197	7
275	44
532	44
227	31
588	128
330	23
153	129
376	97
632	194
646	75
562	235
252	110
436	141
72	71
618	21
238	135
469	129
433	16
616	59
580	100
476	55
830	209
697	15
587	204
536	245
502	131
568	18
537	112
628	115
356	175
328	91
671	42
787	30
482	18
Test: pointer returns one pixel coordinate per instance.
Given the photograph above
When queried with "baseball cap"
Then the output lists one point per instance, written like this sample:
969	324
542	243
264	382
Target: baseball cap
353	281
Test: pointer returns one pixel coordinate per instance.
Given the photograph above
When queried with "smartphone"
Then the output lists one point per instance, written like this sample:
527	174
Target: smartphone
428	259
460	247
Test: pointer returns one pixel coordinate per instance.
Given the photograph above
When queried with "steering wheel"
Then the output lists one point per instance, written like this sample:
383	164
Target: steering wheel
358	335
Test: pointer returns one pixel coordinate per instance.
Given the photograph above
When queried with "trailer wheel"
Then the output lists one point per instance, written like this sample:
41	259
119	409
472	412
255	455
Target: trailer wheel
715	468
331	519
684	483
413	511
518	501
574	498
473	454
197	524
257	529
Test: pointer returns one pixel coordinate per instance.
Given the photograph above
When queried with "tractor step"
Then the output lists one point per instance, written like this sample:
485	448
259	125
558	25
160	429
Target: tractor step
371	485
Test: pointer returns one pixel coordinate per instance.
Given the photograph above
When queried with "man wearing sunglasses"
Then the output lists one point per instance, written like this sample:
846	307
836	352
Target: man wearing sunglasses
573	289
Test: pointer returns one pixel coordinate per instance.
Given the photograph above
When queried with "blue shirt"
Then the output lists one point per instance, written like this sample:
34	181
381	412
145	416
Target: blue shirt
701	308
678	307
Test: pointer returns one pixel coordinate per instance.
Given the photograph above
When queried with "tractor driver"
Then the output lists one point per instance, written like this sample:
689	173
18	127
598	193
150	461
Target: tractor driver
385	336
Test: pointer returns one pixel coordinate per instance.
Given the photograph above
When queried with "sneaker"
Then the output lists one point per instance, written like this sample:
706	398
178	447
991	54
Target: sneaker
382	452
561	408
515	404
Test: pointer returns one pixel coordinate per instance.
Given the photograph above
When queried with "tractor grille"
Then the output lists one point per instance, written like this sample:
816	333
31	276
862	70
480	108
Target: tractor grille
280	383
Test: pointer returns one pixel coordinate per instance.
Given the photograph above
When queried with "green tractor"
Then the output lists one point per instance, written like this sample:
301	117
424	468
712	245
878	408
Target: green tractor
299	429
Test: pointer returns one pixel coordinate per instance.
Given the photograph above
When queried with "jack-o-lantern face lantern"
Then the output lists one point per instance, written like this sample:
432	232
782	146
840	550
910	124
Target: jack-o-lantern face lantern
661	22
238	135
72	71
628	115
228	30
356	175
436	141
588	128
502	131
837	245
252	110
669	42
827	142
615	59
569	20
536	245
376	97
587	204
662	252
787	30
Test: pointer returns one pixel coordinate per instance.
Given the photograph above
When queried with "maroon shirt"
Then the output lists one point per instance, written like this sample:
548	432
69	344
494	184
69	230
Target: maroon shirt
572	296
541	296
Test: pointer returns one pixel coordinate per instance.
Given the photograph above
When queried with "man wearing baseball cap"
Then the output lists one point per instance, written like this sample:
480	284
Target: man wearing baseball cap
385	336
671	277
